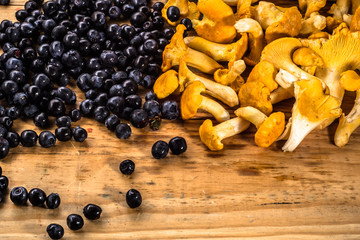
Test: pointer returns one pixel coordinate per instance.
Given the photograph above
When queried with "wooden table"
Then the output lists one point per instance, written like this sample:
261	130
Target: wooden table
242	192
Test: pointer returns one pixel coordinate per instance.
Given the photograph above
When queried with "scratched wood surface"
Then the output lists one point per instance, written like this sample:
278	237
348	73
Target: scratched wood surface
242	192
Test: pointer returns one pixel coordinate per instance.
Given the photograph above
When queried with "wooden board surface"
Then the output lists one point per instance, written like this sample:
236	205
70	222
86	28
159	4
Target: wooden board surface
242	192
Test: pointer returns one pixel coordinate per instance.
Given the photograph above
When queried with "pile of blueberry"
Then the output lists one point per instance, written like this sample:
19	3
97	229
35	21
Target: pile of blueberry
56	41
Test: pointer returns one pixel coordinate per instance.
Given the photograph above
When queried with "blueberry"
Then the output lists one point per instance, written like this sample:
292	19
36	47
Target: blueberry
111	122
20	98
158	6
28	138
4	183
91	94
116	90
3	132
137	19
47	139
127	167
130	87
160	149
75	115
133	198
19	195
139	118
152	107
123	131
187	23
41	120
75	222
115	104
101	113
87	107
101	99
41	80
13	139
79	134
53	201
66	94
55	231
126	112
63	121
63	134
56	107
92	211
56	49
150	46
170	110
30	110
37	197
108	58
9	87
6	122
150	95
177	145
114	12
133	101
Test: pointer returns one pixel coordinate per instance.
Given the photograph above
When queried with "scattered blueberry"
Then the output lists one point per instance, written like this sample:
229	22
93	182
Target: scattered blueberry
37	197
55	231
177	145
160	149
75	222
92	211
4	183
133	198
127	167
19	195
47	139
53	201
79	134
123	131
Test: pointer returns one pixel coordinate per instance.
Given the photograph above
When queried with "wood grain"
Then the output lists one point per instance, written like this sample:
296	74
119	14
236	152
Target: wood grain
242	192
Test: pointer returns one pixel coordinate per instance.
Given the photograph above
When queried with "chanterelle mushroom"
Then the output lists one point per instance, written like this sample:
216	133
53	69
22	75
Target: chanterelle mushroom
264	72
224	93
212	136
340	53
266	13
192	100
177	50
314	24
166	84
219	52
355	22
218	22
256	38
311	109
228	76
269	128
288	26
350	81
257	95
311	6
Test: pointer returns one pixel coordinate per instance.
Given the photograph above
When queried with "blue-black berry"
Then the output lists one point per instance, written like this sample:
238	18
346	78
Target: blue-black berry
127	167
19	195
92	211
37	197
177	145
75	222
55	231
53	201
160	149
133	198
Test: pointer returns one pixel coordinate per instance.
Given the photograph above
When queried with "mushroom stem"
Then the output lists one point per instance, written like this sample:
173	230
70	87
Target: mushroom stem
252	114
224	93
201	61
279	95
217	51
215	109
231	127
256	38
348	124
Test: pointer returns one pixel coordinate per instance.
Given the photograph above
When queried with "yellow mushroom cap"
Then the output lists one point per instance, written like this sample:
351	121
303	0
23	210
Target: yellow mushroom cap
257	95
209	137
270	129
307	57
350	80
191	99
264	72
166	84
355	22
288	26
175	47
